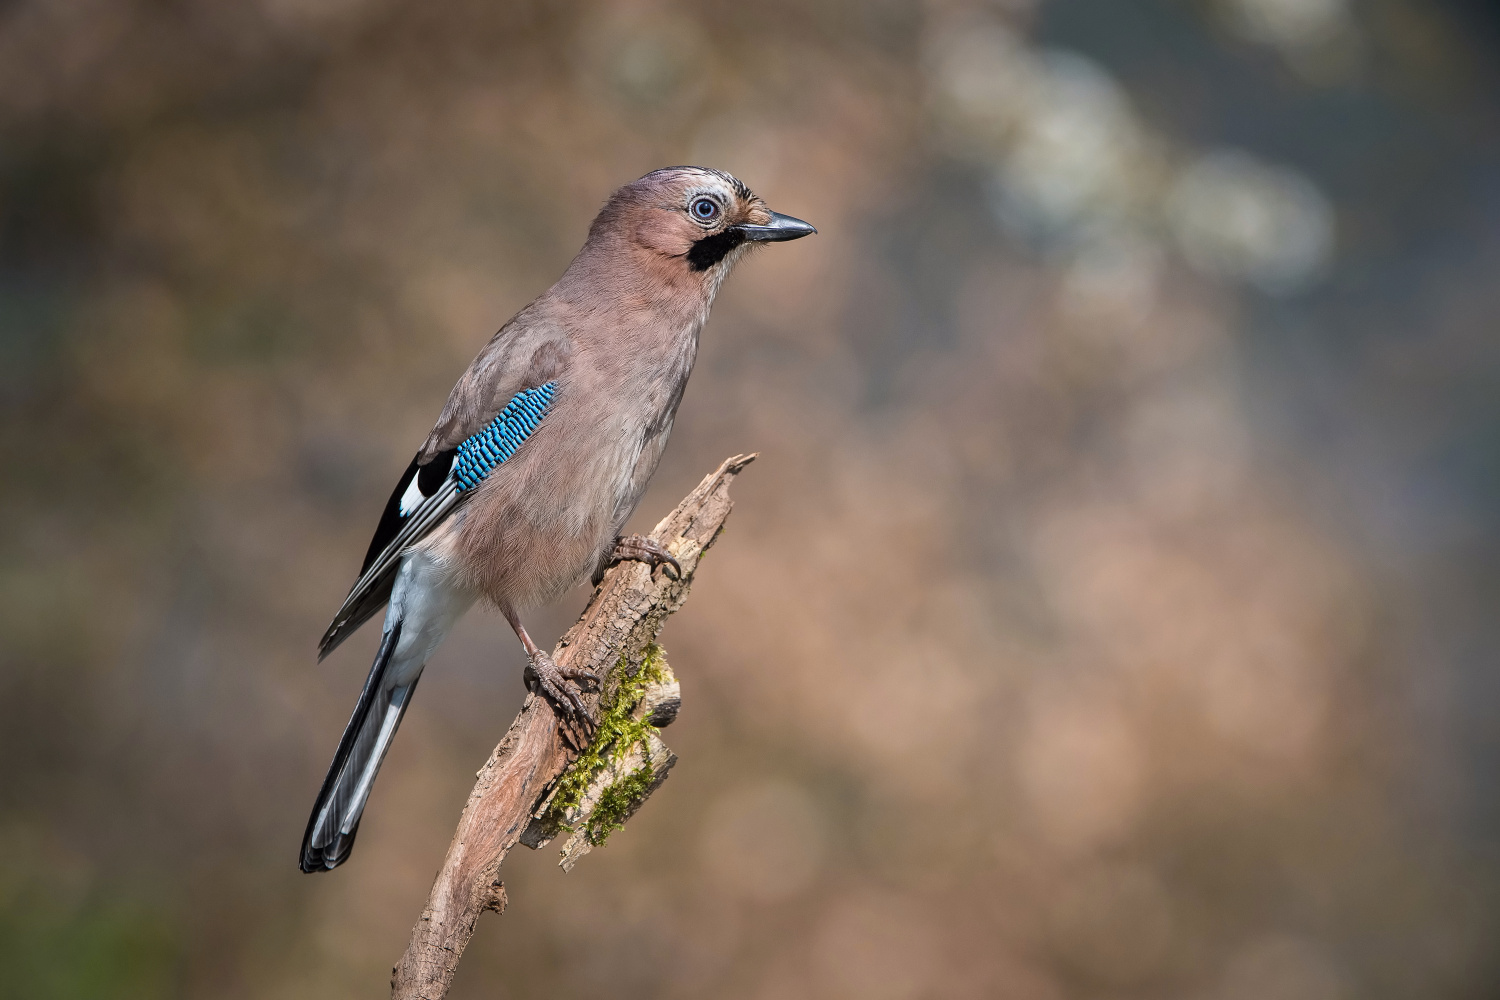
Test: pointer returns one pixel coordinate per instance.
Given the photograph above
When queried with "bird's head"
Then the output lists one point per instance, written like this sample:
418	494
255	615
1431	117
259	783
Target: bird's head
694	220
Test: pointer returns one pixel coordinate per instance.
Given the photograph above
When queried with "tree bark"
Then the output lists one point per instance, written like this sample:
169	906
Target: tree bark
515	796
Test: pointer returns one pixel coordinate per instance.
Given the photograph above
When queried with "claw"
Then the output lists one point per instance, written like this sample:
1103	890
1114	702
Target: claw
647	550
580	674
559	686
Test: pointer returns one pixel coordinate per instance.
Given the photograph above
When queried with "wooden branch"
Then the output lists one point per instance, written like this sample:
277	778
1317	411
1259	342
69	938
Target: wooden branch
526	791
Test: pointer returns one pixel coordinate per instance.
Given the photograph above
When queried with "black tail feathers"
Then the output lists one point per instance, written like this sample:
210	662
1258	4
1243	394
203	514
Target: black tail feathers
335	815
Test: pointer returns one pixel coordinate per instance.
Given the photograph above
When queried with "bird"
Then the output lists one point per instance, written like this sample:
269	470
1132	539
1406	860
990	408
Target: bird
537	460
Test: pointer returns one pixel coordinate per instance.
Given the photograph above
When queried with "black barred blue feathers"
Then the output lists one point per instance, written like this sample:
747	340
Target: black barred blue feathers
479	453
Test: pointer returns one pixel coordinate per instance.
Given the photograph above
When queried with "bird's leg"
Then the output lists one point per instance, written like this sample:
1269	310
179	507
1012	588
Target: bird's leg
559	685
641	549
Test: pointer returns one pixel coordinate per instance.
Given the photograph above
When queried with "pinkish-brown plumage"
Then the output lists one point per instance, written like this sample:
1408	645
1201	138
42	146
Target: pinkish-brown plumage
616	338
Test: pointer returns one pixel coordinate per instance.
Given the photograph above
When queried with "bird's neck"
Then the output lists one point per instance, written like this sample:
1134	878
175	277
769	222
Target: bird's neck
639	286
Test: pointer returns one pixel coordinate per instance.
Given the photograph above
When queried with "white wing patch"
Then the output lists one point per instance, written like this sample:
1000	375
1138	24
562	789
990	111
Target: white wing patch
412	498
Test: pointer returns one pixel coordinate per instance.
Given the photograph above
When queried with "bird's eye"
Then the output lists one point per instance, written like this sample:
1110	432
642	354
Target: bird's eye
705	209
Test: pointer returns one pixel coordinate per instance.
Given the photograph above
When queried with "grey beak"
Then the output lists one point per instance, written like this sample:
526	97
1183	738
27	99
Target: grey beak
780	228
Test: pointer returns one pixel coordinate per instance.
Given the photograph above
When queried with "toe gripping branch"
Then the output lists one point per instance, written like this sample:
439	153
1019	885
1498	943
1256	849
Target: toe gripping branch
561	686
641	548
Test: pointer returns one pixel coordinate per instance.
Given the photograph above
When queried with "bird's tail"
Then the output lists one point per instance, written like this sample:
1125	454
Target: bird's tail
335	815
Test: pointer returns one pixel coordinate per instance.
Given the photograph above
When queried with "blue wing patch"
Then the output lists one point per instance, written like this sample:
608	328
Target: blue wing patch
480	452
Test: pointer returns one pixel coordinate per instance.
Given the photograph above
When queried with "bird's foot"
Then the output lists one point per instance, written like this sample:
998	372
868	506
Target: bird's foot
559	685
647	550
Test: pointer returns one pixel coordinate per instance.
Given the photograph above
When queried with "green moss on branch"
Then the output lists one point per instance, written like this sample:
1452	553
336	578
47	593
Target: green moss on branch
618	734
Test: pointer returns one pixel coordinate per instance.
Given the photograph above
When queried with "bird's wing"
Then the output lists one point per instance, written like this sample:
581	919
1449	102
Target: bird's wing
494	406
528	351
428	493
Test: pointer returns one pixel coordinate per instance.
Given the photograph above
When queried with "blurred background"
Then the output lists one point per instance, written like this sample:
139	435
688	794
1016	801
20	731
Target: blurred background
1111	612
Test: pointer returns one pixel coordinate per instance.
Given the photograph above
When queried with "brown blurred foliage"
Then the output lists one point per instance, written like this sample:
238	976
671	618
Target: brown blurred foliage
1106	617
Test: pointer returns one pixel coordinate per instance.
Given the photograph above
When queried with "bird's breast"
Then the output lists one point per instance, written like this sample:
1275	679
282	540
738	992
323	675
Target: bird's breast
542	521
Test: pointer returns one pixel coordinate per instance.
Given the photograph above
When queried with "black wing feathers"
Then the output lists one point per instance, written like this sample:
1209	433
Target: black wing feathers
396	531
361	605
429	477
390	518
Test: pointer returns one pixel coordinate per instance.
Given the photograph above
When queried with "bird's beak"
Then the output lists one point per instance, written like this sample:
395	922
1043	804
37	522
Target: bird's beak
780	228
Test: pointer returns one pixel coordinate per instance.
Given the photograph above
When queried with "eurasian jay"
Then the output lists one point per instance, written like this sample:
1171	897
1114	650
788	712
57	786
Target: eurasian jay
540	456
